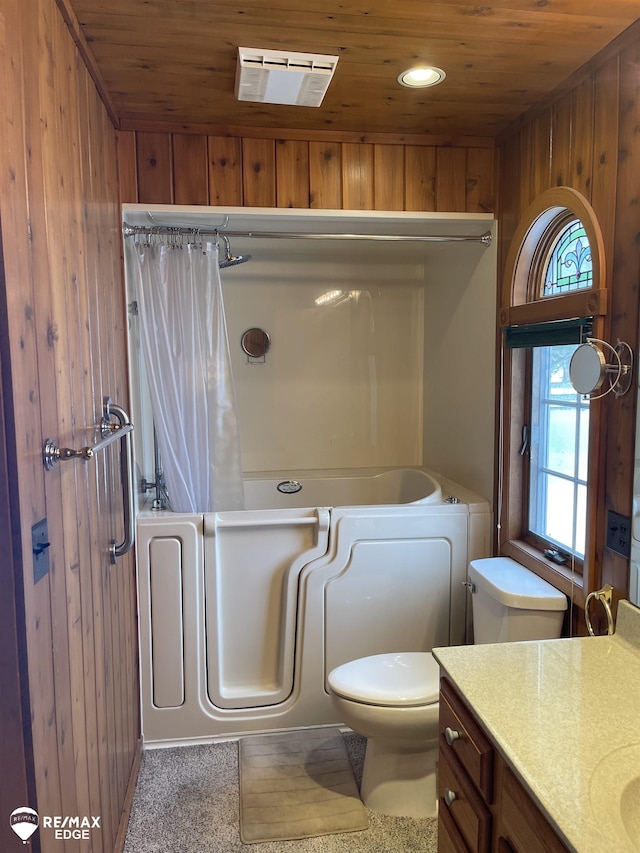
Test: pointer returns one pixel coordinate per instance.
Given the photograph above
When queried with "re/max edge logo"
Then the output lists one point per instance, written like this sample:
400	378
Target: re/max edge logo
25	821
76	828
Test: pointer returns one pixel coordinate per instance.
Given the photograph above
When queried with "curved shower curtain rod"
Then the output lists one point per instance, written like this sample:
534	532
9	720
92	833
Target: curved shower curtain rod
162	231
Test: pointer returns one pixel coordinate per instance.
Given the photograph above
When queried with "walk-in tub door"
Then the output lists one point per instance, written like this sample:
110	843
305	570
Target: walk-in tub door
252	564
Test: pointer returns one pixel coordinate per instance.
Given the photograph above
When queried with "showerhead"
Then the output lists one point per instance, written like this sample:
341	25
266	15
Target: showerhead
229	259
234	261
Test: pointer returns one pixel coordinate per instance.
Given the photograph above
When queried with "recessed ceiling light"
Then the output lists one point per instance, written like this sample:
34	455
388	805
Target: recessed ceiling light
416	78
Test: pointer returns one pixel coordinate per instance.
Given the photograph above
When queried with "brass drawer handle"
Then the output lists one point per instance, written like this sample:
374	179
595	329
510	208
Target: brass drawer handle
451	735
450	796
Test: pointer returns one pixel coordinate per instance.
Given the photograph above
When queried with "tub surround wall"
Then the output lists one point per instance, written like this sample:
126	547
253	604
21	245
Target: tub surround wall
459	364
341	385
386	376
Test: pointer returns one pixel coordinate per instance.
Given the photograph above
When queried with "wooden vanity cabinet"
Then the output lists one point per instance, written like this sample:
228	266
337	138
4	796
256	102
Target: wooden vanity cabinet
522	826
482	808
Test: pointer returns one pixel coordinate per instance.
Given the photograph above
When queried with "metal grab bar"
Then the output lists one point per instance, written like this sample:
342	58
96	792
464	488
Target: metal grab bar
52	454
126	476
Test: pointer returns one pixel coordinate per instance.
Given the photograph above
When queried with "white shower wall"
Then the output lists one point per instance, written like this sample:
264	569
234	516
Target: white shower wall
460	364
401	372
341	385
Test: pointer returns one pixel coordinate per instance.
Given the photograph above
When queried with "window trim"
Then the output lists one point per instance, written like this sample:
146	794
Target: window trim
523	259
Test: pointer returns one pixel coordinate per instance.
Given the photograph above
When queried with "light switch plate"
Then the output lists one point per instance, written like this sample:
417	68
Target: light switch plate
40	547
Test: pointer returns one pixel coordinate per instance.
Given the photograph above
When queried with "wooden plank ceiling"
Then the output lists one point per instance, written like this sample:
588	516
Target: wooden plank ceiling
172	62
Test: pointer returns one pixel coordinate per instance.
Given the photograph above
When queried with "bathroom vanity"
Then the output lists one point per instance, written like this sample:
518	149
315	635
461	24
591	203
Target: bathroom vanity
482	805
539	744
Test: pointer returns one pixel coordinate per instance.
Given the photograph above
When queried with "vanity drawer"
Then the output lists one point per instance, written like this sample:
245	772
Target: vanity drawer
461	802
461	736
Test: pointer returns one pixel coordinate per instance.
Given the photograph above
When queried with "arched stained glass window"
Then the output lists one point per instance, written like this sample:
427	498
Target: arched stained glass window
558	417
568	265
551	437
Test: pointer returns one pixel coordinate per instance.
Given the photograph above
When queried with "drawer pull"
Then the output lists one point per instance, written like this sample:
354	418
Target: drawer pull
451	735
450	796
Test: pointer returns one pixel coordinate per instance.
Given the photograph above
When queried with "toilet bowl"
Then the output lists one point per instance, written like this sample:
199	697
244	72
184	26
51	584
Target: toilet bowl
392	699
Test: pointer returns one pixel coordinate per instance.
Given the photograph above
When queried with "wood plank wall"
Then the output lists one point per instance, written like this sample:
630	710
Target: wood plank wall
15	746
586	138
181	168
65	314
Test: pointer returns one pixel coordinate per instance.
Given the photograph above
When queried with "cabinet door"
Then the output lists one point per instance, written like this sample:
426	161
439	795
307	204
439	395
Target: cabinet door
523	827
459	798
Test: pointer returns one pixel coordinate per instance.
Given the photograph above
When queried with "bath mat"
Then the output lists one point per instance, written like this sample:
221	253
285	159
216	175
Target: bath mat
297	785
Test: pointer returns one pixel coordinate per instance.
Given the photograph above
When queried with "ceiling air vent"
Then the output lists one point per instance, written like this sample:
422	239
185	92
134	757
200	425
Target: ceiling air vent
276	77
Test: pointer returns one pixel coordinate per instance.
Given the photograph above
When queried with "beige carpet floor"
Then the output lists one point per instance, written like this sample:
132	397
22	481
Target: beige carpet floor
186	801
297	785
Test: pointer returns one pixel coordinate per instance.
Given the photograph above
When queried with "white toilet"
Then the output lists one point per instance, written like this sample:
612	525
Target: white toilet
392	699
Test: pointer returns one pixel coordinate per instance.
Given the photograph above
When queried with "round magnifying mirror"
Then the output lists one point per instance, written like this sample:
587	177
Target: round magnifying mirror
587	369
255	343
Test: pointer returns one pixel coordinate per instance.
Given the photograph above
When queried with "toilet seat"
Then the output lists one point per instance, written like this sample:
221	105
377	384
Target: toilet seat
404	679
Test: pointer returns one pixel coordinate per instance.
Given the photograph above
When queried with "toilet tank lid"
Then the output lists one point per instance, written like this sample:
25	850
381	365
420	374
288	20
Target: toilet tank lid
514	586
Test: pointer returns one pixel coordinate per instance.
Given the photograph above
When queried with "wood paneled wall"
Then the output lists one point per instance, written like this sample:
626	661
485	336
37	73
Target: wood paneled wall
64	308
15	744
586	138
165	168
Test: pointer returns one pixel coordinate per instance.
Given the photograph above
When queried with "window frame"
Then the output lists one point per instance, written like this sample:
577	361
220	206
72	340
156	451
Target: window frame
519	306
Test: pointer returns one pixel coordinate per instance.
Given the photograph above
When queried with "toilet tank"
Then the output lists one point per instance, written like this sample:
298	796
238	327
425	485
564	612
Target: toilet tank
510	603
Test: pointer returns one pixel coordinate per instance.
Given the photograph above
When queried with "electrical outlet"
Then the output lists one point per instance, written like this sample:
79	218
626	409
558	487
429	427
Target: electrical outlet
619	533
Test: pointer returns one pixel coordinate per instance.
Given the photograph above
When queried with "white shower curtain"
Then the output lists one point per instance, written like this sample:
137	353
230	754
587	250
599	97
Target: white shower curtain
186	354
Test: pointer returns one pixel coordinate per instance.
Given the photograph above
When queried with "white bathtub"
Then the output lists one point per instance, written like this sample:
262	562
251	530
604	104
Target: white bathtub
363	487
244	614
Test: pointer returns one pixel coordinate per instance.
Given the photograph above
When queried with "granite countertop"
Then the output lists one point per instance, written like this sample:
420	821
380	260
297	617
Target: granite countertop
563	713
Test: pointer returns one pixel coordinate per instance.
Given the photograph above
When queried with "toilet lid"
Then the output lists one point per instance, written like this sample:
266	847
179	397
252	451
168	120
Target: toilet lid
402	679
